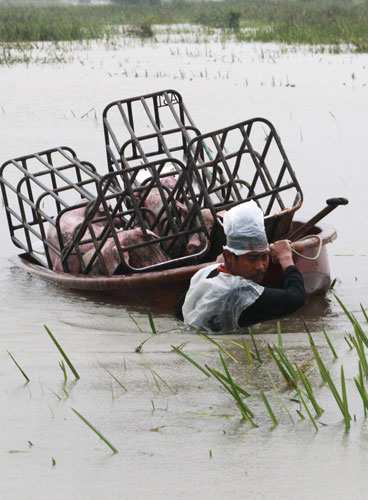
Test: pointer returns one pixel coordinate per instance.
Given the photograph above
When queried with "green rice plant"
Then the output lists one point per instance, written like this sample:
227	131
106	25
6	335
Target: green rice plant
283	364
279	335
364	312
258	356
359	332
74	371
115	378
232	390
191	360
359	382
300	414
152	324
333	283
19	367
225	379
247	351
63	369
54	393
288	365
155	380
309	391
135	322
330	344
307	409
359	347
347	416
278	397
349	344
326	377
207	337
99	434
345	309
268	408
155	374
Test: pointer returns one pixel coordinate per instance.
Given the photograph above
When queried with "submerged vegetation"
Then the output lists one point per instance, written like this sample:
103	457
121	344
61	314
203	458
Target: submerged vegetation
280	381
338	24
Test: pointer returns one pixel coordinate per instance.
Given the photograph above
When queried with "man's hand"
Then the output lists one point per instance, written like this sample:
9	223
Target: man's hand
281	253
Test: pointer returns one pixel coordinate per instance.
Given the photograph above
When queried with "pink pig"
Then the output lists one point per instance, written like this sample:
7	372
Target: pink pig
68	223
195	243
136	258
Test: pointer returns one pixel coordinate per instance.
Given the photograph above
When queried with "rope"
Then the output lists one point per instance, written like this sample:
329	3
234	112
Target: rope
305	238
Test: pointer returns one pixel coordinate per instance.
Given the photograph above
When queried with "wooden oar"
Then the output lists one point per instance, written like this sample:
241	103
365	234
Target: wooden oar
332	203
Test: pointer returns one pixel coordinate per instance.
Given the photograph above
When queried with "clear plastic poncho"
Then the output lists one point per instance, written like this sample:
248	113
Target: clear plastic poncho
214	305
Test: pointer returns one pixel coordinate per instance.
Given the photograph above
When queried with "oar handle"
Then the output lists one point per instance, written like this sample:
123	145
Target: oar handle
335	202
331	204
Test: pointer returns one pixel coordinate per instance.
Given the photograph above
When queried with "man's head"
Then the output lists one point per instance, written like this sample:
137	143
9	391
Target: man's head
246	252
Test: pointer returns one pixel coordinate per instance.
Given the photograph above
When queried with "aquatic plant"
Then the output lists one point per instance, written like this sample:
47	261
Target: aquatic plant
115	378
99	433
268	408
19	367
319	24
69	363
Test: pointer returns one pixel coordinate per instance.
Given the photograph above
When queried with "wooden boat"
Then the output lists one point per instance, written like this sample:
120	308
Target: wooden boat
162	289
149	139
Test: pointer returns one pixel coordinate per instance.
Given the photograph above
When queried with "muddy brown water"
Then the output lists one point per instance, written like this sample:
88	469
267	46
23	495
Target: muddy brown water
191	444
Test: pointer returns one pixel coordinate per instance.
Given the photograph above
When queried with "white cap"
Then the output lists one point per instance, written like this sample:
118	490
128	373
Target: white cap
244	229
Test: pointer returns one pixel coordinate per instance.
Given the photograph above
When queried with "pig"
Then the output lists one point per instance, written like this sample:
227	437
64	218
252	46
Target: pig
136	258
154	201
196	241
68	224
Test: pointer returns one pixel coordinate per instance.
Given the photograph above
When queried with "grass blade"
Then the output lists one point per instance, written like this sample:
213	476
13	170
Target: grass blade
307	409
188	358
19	367
247	351
99	434
281	404
153	328
115	378
234	389
164	382
364	312
259	359
284	371
357	343
74	371
279	336
330	344
135	322
156	381
347	416
203	335
244	410
63	369
268	408
344	309
289	367
238	388
361	380
309	391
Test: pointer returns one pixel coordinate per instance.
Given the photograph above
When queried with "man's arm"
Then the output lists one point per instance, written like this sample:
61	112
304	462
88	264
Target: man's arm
274	302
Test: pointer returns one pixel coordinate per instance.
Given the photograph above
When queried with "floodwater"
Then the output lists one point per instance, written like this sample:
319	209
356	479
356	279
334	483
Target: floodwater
179	435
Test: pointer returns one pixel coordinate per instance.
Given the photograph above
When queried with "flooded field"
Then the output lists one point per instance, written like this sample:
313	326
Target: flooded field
179	435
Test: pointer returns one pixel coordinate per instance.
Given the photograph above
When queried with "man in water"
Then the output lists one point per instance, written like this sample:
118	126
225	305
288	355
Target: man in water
225	298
